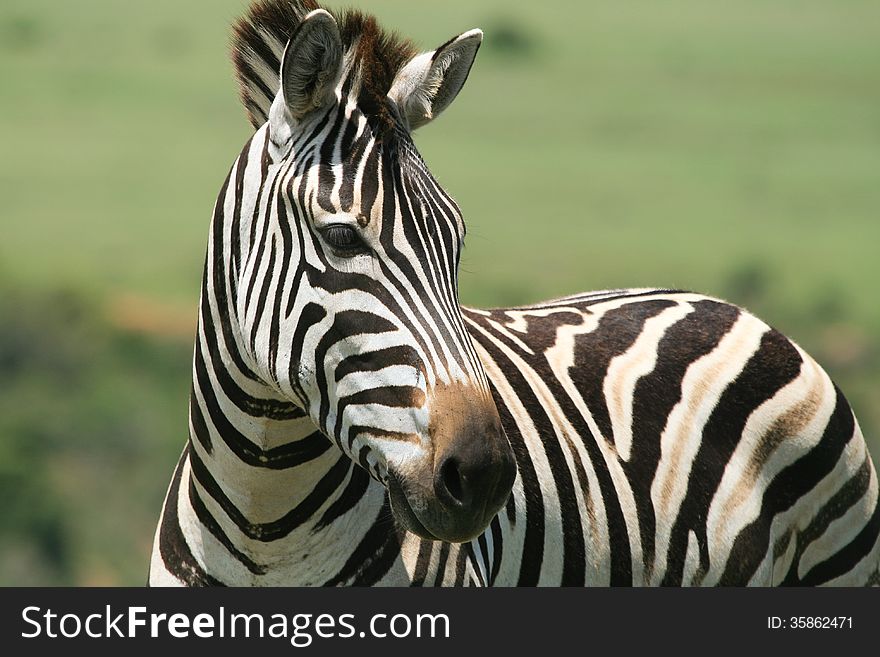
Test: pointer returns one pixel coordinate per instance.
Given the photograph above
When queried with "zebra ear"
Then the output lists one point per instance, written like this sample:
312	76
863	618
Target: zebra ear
429	82
310	68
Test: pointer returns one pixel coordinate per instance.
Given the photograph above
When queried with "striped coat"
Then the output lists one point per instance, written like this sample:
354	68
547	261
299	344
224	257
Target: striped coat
351	424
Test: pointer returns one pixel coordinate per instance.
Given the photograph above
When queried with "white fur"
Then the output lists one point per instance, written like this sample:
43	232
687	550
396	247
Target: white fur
429	82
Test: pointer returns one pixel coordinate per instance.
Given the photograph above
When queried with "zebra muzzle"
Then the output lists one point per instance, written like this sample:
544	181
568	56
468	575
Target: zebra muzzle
456	495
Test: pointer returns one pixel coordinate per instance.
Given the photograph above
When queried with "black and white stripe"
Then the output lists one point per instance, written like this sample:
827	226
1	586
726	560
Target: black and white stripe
679	440
660	437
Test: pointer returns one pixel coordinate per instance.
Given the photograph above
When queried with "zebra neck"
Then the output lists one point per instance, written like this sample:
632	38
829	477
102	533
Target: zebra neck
257	515
261	489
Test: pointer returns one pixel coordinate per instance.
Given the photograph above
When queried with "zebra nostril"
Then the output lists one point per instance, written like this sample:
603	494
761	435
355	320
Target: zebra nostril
450	484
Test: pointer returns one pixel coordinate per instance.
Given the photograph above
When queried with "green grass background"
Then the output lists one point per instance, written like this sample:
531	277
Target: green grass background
728	148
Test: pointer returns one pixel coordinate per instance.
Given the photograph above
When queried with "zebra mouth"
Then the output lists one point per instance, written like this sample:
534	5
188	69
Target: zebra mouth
403	511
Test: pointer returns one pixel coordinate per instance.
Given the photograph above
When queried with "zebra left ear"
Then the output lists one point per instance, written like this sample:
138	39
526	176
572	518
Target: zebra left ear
429	82
310	69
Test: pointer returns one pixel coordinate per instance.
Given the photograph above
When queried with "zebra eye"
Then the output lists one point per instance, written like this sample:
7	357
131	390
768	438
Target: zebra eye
344	240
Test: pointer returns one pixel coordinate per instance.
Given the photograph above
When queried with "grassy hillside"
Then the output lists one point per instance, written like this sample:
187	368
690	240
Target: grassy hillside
727	148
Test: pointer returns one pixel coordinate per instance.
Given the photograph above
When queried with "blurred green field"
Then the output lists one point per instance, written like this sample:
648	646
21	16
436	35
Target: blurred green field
732	149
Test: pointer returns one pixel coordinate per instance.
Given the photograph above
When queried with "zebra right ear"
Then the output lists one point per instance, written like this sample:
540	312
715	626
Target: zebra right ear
429	82
310	69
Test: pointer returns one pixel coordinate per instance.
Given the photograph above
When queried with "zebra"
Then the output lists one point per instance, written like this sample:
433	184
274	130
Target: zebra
351	424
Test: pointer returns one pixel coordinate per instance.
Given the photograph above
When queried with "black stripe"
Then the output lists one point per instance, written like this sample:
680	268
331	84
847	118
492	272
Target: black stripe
774	365
272	409
352	154
657	393
850	493
588	299
847	558
510	510
362	455
335	282
216	286
390	396
497	549
297	452
616	332
373	361
574	559
263	296
253	80
326	178
351	495
277	529
310	315
370	183
217	532
441	564
423	562
374	555
533	541
391	185
483	547
792	483
173	548
235	228
301	264
346	324
197	421
261	248
464	553
278	458
406	183
255	110
286	257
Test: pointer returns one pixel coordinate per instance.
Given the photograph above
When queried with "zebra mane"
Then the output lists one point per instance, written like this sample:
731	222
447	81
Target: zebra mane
259	39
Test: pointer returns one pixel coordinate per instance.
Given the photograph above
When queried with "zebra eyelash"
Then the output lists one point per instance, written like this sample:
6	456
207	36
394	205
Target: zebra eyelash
344	240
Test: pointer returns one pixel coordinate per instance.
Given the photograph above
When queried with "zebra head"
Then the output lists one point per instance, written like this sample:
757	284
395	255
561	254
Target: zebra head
348	299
